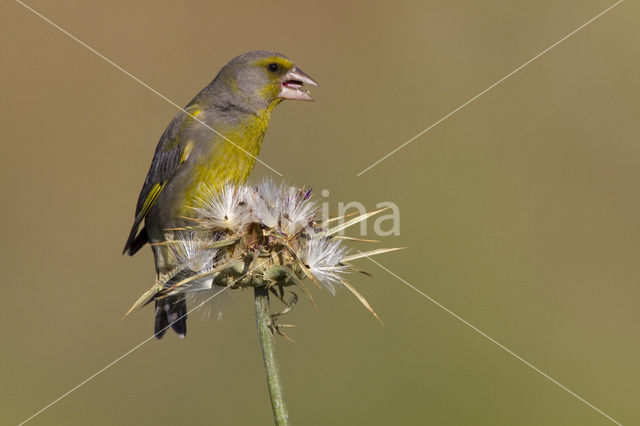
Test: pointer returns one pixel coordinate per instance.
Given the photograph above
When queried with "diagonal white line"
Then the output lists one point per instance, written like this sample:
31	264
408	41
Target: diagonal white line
127	73
500	345
114	362
132	349
491	87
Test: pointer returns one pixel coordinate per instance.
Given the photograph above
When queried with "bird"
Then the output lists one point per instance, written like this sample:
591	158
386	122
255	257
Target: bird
215	139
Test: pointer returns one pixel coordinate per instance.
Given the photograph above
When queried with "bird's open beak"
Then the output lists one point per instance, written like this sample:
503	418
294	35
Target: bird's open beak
292	85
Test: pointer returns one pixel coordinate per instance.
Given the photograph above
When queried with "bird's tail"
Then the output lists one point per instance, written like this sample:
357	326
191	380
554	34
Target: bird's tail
171	311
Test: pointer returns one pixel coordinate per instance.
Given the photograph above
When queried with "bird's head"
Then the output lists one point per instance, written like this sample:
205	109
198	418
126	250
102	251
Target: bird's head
261	79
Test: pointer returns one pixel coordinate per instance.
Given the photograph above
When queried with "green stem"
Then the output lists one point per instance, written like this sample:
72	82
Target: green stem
263	318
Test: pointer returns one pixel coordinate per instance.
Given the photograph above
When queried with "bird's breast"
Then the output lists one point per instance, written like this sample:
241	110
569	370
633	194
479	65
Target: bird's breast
221	160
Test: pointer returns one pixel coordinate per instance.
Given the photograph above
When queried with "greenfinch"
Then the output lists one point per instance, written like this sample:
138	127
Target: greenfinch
215	140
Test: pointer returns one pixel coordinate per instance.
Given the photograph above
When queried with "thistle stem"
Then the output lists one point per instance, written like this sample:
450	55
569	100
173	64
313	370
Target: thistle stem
267	342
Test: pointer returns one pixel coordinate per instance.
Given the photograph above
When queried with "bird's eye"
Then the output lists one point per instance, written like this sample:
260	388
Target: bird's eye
273	67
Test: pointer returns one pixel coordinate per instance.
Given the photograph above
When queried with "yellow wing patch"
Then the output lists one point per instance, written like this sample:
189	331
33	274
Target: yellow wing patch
151	198
186	152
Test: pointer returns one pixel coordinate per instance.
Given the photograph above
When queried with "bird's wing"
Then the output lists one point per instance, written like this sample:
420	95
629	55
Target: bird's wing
169	156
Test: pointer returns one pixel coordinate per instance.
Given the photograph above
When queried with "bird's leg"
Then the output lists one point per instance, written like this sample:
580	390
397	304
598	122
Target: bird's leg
278	291
288	306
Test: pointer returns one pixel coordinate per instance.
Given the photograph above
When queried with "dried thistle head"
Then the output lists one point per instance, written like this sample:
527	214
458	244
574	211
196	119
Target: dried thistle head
263	235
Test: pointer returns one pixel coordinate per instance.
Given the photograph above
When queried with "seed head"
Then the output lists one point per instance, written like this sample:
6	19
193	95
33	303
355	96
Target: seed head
264	235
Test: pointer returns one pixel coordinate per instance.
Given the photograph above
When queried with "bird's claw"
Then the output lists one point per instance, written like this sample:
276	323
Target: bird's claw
276	328
273	325
288	306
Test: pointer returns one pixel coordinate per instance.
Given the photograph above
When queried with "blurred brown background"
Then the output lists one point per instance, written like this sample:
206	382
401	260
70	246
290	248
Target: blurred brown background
520	212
